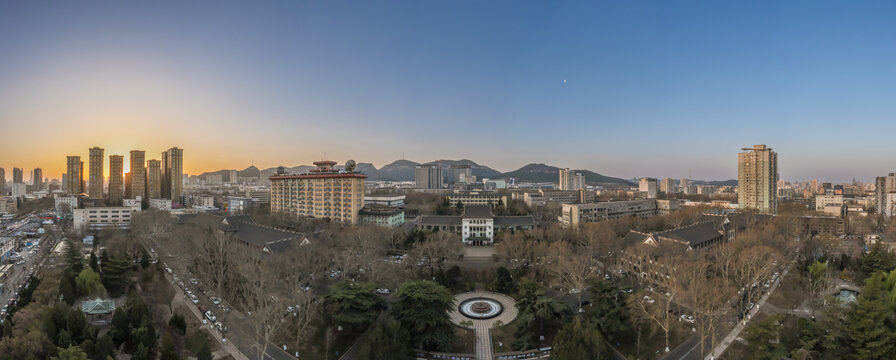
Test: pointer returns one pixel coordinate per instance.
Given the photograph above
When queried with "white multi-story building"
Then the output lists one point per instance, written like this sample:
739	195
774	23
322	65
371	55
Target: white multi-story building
385	200
7	244
823	201
136	204
160	204
573	215
647	187
18	189
98	218
66	201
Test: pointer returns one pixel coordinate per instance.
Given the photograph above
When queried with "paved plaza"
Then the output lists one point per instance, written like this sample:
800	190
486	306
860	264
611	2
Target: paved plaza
484	349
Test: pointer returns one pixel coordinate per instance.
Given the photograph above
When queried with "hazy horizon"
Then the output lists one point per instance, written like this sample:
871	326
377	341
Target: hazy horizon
623	89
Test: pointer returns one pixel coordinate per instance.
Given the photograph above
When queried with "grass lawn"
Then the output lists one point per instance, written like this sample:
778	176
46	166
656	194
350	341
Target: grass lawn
503	338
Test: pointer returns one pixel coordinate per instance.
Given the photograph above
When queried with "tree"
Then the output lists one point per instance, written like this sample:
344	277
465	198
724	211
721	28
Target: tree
571	266
385	342
258	284
178	322
89	283
869	324
608	310
115	273
93	262
878	259
764	339
353	303
73	261
71	353
819	280
577	341
535	308
422	308
205	353
503	281
168	351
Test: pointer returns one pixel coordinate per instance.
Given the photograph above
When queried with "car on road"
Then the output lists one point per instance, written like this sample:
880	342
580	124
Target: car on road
751	306
382	291
216	301
606	276
649	299
687	318
194	299
211	316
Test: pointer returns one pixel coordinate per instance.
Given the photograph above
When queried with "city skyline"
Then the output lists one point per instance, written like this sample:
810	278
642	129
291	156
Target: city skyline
632	90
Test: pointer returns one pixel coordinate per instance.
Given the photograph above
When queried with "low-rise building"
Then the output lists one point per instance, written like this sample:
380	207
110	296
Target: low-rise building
477	198
477	225
98	311
382	216
8	205
160	204
573	215
98	218
396	201
238	204
7	244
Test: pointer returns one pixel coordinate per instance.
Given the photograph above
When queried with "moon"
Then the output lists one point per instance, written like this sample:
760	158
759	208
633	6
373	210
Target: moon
564	81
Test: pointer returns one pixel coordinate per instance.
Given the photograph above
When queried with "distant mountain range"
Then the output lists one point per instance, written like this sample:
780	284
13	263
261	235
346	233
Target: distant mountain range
403	170
547	173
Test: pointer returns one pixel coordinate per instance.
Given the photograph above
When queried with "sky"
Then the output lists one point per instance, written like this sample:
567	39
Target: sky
623	88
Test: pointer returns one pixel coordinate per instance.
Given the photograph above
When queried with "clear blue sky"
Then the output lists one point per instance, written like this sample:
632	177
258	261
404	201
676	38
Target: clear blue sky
659	88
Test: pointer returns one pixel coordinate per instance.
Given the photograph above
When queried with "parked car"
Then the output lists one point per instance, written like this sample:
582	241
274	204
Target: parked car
210	316
687	318
649	299
382	291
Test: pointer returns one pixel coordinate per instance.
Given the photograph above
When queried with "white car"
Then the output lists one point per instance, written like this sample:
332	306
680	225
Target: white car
211	316
194	299
216	301
687	318
382	291
649	299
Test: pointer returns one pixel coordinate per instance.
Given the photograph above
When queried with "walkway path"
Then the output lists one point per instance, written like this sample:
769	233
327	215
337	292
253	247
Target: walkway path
484	350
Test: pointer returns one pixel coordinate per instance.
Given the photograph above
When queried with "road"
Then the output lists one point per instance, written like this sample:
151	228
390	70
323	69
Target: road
19	272
240	330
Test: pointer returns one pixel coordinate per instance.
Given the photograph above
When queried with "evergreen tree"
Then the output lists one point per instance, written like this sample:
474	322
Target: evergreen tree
168	351
353	303
93	262
503	281
869	324
70	353
386	342
74	263
608	308
422	308
764	339
115	274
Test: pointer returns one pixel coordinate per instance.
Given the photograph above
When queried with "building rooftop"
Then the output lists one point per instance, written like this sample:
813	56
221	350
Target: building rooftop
477	212
98	306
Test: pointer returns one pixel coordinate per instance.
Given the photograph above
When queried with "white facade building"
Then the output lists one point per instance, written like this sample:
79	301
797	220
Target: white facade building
98	218
71	201
161	204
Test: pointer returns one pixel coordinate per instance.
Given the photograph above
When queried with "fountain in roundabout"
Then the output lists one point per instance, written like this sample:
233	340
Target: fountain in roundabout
480	308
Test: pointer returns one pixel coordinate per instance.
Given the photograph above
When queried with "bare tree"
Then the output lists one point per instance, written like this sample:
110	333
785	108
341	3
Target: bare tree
754	263
258	289
572	266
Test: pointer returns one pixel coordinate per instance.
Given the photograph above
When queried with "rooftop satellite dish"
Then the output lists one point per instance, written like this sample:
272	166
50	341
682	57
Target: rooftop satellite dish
350	166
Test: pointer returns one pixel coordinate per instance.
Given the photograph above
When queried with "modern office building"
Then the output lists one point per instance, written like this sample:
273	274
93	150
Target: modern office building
172	174
667	186
757	179
37	179
116	179
17	176
153	179
428	176
647	187
324	192
136	186
95	180
74	171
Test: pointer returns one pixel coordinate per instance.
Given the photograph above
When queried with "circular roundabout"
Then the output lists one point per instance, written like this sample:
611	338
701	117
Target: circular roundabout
480	308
